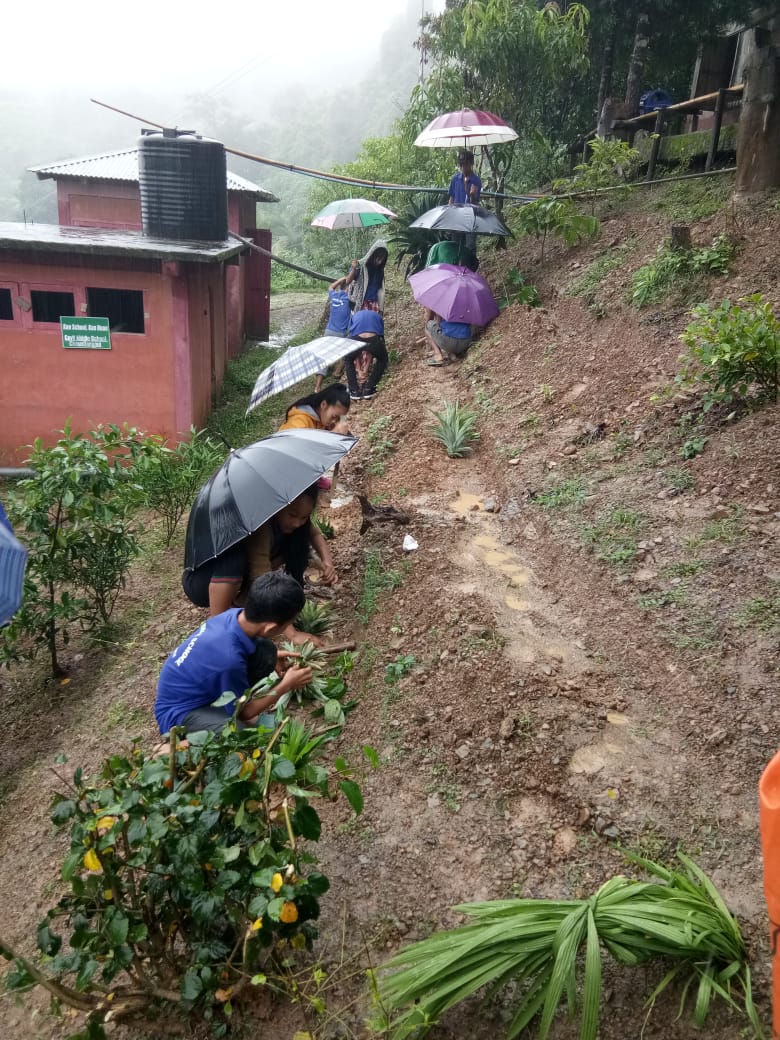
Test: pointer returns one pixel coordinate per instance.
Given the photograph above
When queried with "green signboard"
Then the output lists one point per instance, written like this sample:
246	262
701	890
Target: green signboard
85	333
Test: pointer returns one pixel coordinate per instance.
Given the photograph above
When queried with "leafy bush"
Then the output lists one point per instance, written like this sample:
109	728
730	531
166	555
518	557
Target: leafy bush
186	872
517	291
413	244
456	429
75	517
553	216
678	269
732	349
611	164
171	477
543	947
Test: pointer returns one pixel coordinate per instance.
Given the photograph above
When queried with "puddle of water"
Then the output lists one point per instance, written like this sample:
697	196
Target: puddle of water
617	719
466	503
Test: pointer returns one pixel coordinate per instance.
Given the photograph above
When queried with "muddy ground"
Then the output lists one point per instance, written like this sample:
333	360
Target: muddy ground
589	629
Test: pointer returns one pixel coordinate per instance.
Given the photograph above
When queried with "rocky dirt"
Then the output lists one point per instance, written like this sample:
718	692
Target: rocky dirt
589	630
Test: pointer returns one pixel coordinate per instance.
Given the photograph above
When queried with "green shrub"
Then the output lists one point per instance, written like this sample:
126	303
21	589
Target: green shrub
171	477
456	429
733	349
679	269
517	291
611	164
553	216
75	517
186	872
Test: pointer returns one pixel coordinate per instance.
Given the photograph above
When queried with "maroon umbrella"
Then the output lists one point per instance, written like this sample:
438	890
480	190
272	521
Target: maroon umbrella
467	126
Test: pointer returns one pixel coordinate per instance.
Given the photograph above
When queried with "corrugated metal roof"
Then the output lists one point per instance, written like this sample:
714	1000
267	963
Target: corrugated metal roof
123	166
54	238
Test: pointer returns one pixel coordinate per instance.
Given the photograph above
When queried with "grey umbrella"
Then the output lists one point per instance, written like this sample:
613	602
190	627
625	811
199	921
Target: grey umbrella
253	484
474	220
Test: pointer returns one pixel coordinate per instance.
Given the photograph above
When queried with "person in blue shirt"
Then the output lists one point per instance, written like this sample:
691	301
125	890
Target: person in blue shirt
229	653
366	366
447	340
339	313
465	186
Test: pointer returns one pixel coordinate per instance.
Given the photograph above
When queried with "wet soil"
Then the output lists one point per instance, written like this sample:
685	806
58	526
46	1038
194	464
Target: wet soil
589	625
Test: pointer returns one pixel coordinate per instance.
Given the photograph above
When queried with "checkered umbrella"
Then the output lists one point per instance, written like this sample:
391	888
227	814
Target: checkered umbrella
296	364
13	557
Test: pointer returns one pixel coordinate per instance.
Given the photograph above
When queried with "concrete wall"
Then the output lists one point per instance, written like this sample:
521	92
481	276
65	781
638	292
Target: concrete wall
160	381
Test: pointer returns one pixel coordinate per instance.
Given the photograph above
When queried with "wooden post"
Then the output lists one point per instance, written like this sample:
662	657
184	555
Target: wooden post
680	238
657	133
720	105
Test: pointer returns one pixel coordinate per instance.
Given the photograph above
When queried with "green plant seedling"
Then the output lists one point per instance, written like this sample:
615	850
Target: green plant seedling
456	429
399	668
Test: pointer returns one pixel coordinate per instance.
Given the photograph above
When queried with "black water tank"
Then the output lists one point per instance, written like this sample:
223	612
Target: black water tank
183	180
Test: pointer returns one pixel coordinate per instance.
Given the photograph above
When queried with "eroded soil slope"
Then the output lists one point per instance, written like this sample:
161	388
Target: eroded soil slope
583	649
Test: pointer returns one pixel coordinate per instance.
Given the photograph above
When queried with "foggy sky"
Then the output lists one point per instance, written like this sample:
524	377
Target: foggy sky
224	49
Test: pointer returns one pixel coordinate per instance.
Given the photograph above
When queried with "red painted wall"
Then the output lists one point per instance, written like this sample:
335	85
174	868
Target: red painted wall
114	204
160	381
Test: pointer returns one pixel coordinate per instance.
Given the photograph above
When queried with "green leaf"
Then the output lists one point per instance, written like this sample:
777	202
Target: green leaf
224	699
353	795
283	769
274	908
306	822
191	985
117	929
371	755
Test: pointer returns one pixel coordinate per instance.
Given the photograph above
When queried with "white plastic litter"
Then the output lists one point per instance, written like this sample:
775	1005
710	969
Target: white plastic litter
337	503
409	543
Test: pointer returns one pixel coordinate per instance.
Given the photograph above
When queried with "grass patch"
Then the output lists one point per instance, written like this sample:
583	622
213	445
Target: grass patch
565	494
614	535
728	529
375	580
666	598
761	612
123	714
593	275
684	569
686	202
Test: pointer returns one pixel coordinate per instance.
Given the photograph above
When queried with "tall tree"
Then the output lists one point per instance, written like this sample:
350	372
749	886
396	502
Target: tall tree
758	143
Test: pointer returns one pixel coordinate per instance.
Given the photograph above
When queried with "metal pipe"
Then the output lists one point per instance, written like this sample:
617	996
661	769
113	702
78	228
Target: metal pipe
15	472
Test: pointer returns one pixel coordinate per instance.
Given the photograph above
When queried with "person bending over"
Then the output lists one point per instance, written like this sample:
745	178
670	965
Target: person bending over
363	373
282	541
229	654
325	410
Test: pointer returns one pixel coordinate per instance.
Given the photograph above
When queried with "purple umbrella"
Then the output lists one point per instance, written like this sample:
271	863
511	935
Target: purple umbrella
455	294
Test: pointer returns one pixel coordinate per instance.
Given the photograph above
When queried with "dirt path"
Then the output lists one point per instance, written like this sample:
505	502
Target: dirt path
584	646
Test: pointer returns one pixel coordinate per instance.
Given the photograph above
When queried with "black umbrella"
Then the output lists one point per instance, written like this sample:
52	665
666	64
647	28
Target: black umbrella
474	220
253	484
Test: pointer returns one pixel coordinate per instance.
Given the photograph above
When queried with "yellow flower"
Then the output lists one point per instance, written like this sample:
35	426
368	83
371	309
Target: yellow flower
289	913
91	862
257	924
107	893
105	823
256	753
276	882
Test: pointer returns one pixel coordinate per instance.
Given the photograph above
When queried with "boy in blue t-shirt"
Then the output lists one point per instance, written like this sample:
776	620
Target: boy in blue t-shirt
229	653
338	322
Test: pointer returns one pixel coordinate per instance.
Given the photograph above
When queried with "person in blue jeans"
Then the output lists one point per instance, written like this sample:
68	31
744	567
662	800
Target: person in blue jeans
368	327
229	653
339	313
